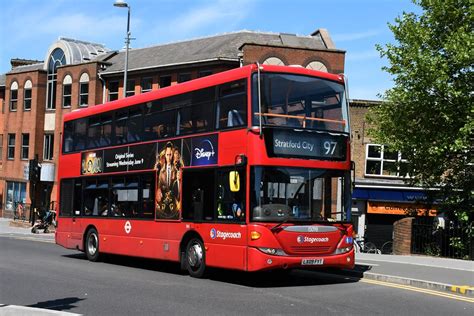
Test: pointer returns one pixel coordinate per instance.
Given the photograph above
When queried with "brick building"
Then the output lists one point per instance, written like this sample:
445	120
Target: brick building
380	197
75	74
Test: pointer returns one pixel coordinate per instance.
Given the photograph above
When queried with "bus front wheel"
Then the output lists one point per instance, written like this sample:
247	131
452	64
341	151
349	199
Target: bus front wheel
195	258
92	245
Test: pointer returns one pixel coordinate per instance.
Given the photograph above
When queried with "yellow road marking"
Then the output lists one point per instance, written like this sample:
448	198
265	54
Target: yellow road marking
420	290
461	288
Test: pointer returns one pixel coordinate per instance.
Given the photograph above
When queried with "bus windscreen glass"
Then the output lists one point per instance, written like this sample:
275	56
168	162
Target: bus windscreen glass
301	102
294	194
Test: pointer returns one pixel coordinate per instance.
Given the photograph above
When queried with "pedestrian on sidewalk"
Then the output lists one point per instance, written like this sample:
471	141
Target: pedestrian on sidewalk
20	210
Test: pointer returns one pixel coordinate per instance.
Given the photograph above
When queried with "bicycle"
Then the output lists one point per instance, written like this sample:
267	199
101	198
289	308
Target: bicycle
361	245
387	248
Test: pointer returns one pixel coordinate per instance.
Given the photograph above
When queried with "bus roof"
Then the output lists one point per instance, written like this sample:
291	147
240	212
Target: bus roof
200	83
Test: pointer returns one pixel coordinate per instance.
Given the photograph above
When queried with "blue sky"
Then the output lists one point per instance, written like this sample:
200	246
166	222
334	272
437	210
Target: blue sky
29	27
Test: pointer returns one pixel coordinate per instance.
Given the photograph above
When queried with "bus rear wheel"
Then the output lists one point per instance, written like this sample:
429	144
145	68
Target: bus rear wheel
195	258
92	245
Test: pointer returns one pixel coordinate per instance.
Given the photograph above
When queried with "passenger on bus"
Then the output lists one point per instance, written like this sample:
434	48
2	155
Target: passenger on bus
237	209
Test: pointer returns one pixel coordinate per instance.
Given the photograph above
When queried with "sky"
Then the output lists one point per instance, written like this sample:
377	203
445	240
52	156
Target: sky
30	27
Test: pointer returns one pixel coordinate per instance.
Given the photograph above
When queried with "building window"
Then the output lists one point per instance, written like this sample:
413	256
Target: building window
165	81
27	96
130	88
56	59
84	90
184	77
381	161
317	65
25	145
113	90
16	192
273	61
48	149
11	146
146	84
204	73
14	96
67	91
1	147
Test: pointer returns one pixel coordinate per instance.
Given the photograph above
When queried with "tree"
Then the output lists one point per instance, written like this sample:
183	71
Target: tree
427	115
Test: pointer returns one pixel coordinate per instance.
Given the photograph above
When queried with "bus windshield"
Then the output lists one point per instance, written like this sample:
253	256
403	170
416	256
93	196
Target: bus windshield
299	101
295	194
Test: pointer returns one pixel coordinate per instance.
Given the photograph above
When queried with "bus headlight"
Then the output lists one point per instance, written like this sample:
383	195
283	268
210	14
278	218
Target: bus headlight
272	251
342	250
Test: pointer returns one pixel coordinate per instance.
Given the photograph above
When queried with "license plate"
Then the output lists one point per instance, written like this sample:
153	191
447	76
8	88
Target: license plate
312	262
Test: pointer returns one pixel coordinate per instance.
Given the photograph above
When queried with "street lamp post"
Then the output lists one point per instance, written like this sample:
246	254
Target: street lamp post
123	4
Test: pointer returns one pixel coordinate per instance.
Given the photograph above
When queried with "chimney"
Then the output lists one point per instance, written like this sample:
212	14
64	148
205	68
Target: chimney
325	37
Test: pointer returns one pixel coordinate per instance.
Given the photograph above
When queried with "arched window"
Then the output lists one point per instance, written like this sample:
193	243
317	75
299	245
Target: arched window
317	65
84	90
27	95
273	61
14	96
56	59
67	91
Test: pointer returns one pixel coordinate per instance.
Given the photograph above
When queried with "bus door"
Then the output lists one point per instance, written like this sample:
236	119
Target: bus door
217	213
76	222
68	230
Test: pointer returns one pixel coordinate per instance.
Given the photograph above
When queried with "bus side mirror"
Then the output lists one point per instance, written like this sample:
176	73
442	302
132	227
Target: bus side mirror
234	181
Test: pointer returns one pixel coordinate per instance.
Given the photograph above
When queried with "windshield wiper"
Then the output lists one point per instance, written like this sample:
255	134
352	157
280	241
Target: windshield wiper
286	219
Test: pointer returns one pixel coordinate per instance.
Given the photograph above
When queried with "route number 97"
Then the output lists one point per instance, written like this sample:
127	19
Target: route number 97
329	147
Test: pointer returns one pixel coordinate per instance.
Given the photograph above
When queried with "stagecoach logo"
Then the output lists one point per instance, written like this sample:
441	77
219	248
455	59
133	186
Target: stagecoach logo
224	235
213	233
205	150
305	239
128	227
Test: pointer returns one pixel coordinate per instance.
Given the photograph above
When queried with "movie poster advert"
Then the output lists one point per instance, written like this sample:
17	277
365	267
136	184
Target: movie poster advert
166	158
130	158
169	163
92	162
170	159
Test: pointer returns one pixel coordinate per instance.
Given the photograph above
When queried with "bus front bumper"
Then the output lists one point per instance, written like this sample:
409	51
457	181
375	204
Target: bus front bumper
258	261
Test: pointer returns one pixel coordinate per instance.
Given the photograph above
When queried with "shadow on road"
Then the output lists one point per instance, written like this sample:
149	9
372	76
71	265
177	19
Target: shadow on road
275	278
286	278
60	304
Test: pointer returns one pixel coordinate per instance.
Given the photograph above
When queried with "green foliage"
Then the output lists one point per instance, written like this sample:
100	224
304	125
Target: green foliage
428	112
459	246
433	249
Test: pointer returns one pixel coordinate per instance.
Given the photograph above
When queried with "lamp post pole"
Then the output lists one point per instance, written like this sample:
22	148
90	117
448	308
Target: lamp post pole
123	4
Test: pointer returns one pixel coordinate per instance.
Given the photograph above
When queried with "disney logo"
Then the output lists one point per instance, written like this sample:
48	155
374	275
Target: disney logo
202	152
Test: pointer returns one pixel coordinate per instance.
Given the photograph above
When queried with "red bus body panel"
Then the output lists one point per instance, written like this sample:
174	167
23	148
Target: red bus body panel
227	245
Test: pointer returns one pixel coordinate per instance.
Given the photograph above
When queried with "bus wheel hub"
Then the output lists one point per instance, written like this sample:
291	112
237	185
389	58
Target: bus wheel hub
195	255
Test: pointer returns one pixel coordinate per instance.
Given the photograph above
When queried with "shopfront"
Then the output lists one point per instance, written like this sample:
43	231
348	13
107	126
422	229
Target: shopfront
15	193
376	209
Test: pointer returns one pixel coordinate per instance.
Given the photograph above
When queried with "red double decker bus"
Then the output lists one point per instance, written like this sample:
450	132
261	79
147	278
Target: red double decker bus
247	169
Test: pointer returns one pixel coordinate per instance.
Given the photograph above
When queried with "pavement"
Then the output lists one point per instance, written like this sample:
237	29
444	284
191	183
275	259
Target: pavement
430	273
22	230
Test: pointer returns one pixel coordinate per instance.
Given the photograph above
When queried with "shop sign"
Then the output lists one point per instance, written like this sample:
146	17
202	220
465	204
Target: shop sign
399	209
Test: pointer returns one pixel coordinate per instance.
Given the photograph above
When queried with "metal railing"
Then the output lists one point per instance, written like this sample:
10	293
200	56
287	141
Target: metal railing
451	240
